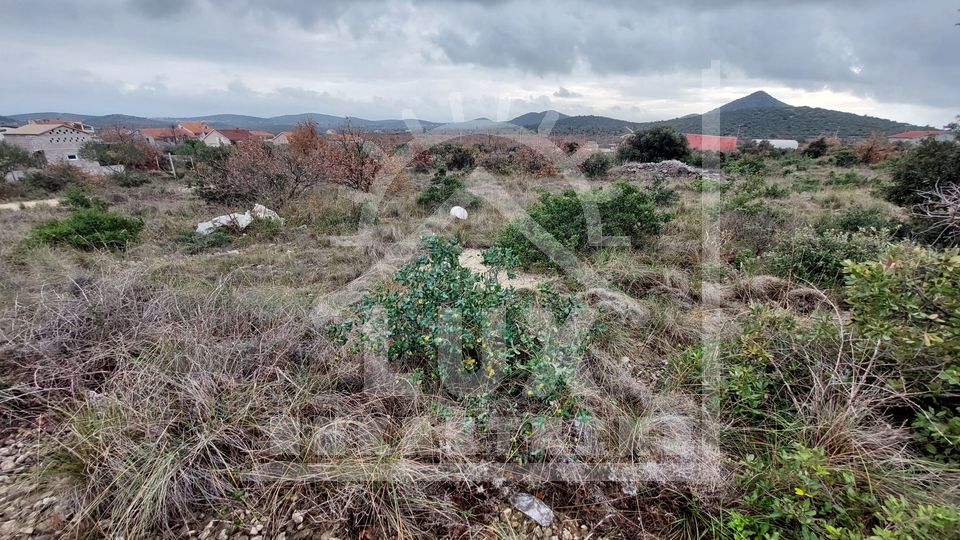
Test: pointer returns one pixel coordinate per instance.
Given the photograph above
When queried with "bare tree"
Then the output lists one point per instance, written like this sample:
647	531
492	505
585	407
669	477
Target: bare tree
941	209
358	165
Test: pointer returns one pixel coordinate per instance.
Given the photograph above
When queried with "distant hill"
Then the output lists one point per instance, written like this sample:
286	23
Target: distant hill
71	117
797	123
476	124
757	116
532	120
756	100
9	122
123	120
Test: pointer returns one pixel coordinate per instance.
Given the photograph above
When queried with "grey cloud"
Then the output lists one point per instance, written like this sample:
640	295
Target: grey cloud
409	54
565	93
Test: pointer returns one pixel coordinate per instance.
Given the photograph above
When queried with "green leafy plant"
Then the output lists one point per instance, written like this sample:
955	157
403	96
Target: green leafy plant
446	188
809	256
597	165
462	333
658	143
55	178
557	224
88	229
192	242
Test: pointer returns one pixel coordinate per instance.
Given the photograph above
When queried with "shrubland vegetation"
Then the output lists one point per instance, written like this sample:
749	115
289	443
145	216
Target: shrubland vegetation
764	350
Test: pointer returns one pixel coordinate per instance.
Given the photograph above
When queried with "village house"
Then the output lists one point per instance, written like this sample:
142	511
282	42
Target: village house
199	129
224	137
282	137
79	126
51	143
165	137
914	137
265	136
711	142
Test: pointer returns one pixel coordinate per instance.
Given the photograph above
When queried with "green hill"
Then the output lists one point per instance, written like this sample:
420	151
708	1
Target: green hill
798	123
756	100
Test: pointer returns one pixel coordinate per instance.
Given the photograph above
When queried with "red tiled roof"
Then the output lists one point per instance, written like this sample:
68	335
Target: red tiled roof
711	142
262	133
236	134
196	127
166	133
917	134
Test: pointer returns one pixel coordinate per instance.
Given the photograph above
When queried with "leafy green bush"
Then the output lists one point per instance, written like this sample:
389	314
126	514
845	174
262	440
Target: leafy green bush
464	334
848	179
597	165
128	179
775	191
807	255
446	188
192	242
88	229
658	143
747	166
623	210
858	217
817	149
803	184
660	194
705	185
922	168
908	300
55	178
74	197
845	158
13	157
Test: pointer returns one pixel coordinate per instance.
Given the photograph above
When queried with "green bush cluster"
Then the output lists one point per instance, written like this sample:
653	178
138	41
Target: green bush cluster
817	257
129	179
446	188
463	334
921	169
557	226
656	144
54	178
90	226
909	302
597	165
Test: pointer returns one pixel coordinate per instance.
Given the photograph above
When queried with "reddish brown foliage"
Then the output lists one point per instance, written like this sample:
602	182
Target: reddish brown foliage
874	149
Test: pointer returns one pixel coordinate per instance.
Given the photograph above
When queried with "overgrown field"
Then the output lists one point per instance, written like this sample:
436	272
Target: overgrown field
766	348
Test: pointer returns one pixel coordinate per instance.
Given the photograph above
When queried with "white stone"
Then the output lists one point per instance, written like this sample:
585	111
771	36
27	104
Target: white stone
458	212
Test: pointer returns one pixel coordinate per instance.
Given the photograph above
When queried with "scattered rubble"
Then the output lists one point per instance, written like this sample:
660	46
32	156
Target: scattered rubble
670	167
239	221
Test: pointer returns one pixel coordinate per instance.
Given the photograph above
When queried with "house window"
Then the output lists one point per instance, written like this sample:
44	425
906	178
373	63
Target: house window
72	157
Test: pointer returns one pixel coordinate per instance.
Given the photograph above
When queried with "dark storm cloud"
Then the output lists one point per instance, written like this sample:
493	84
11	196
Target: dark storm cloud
881	49
286	50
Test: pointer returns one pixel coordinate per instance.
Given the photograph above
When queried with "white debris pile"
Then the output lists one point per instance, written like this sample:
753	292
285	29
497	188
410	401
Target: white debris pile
239	221
670	167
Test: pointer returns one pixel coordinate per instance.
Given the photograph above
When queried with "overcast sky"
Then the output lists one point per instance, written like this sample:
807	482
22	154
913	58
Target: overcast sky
635	60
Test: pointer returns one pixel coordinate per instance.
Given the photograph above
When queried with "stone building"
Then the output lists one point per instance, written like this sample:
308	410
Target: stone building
51	143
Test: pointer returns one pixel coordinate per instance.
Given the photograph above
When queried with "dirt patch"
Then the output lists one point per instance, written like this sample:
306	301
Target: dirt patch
29	204
473	259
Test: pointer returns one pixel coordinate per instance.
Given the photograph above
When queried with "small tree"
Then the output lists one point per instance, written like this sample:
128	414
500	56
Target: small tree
922	168
656	144
597	165
873	149
120	146
357	164
817	148
12	157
